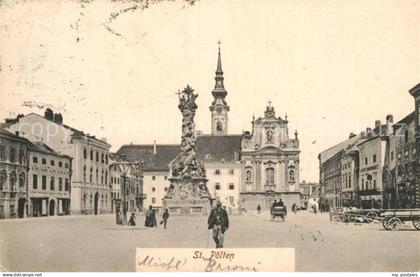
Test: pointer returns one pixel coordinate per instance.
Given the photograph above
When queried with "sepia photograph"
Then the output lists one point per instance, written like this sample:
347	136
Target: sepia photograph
209	136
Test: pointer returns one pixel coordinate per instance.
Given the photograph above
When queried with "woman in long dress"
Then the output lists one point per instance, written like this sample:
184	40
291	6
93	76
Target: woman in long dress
149	217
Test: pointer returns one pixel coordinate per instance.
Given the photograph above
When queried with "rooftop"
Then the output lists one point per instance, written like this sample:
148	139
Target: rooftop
153	161
224	148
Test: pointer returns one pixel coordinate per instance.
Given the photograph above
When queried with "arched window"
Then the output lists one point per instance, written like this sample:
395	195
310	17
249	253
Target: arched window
248	175
13	181
3	178
97	176
269	176
106	177
291	175
102	177
84	153
91	199
219	126
91	175
21	180
84	174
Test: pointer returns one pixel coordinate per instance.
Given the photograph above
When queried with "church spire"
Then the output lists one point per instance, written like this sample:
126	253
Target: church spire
219	89
219	70
219	108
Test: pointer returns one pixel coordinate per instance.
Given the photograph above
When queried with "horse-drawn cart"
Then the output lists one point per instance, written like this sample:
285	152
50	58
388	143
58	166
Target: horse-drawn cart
279	212
355	215
392	219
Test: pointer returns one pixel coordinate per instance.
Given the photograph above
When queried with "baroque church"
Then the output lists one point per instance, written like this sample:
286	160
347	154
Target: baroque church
268	159
243	170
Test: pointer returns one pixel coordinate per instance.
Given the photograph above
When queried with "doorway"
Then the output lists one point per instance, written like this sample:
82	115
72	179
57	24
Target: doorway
52	208
21	207
96	203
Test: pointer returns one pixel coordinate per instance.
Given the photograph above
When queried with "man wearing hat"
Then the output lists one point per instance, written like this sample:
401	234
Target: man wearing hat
219	222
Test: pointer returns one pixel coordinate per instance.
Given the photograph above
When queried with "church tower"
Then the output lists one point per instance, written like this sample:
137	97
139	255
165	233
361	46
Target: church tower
219	108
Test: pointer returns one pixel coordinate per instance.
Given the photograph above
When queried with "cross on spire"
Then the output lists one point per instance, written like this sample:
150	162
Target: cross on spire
269	103
178	93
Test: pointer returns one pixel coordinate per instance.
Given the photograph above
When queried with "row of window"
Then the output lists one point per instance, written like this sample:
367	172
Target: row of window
373	159
217	186
12	155
103	179
347	181
103	199
13	178
218	172
269	176
95	156
368	184
52	162
52	183
164	177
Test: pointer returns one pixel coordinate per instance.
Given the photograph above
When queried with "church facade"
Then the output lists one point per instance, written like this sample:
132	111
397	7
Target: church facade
270	163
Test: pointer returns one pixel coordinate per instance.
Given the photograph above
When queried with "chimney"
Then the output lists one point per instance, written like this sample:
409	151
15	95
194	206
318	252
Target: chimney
154	147
352	135
377	123
363	134
368	131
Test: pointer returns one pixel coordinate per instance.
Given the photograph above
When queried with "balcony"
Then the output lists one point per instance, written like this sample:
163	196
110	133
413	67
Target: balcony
270	187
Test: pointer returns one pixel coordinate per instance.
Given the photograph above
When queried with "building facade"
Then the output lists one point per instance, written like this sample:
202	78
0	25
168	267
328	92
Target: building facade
220	156
402	162
49	179
349	196
309	195
126	186
330	173
156	159
90	188
13	175
270	163
372	162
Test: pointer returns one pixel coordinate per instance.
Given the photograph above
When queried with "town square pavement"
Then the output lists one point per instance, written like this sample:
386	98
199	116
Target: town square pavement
96	243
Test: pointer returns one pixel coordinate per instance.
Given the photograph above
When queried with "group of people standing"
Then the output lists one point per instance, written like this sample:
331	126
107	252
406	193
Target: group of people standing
151	218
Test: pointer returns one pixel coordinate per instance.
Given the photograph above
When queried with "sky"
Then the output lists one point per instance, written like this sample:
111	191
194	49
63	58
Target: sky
112	68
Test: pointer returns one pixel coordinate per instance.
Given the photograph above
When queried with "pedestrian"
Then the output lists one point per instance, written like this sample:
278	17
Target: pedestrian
154	222
273	206
219	222
280	204
120	217
294	208
165	217
149	218
259	208
132	221
314	208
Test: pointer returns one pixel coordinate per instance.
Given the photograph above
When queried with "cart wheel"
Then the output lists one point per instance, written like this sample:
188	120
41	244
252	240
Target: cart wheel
371	216
342	217
351	218
393	223
385	223
416	223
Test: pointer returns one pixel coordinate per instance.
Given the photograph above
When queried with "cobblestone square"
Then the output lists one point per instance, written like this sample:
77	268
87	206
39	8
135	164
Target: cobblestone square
96	243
